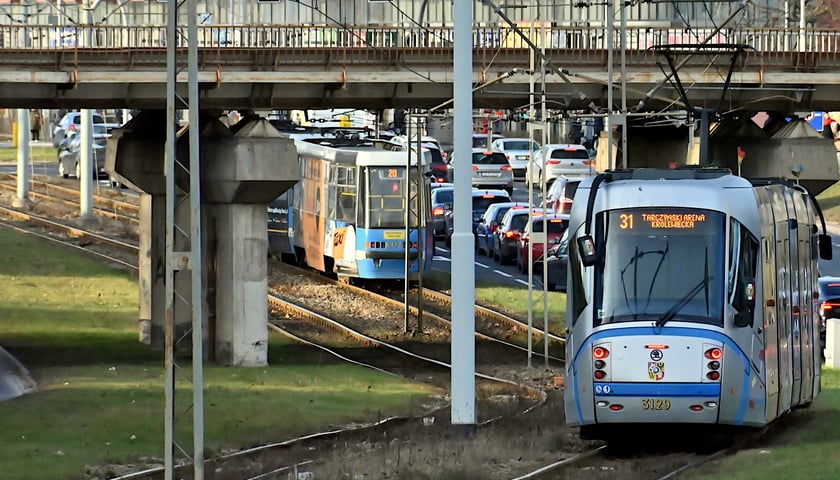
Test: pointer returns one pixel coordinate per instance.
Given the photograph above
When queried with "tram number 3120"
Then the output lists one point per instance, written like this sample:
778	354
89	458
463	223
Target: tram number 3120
655	404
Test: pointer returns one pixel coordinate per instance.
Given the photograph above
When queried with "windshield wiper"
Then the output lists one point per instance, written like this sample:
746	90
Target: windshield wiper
703	284
638	255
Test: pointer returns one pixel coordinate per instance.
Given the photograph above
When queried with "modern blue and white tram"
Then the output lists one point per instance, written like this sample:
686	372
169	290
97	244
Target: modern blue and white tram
692	299
347	214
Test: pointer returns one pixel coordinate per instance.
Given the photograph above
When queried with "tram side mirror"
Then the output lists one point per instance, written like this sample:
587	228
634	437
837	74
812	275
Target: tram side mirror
586	247
825	246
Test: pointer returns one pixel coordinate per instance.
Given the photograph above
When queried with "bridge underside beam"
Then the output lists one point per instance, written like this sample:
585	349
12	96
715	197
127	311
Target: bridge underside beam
784	94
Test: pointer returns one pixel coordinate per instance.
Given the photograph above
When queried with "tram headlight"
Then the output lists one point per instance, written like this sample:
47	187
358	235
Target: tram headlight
600	364
714	365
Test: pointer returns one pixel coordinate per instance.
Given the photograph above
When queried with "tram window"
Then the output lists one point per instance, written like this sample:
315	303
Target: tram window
578	295
386	197
743	255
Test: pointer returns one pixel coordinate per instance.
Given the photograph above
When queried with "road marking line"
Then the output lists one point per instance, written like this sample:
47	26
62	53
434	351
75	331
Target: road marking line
442	259
504	274
442	249
523	282
482	265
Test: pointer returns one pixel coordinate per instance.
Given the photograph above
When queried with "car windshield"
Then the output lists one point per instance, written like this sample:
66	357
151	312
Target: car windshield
660	263
570	153
493	158
518	221
519	145
480	141
443	197
571	188
830	288
481	203
500	213
554	225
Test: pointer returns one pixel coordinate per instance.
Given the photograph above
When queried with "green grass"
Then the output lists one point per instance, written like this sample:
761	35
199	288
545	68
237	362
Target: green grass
805	449
512	300
100	395
36	155
829	201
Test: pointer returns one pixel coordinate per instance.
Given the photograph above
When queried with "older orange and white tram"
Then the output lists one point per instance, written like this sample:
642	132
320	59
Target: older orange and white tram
692	299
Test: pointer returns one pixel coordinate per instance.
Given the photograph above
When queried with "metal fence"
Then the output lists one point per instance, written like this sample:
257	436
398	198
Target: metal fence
50	37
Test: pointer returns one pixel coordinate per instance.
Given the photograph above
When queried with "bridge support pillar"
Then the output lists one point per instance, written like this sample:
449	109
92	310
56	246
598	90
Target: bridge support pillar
135	157
240	175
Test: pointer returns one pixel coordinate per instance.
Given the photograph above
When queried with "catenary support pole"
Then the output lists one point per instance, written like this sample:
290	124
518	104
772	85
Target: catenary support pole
463	416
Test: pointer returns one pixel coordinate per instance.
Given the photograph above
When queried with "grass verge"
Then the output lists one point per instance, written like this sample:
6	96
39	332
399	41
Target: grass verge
36	155
72	321
829	201
512	300
805	449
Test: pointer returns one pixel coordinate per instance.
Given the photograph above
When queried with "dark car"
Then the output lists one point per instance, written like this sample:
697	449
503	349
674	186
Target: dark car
481	199
829	300
488	224
557	263
442	199
506	236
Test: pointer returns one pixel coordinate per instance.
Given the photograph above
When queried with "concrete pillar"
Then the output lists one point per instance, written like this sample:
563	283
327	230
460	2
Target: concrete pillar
135	157
832	343
241	284
241	174
22	198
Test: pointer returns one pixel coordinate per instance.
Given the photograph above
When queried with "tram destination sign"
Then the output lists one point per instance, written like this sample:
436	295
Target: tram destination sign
653	220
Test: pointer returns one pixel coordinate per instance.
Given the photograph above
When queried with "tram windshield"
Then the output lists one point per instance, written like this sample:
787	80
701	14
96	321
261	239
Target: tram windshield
386	196
660	264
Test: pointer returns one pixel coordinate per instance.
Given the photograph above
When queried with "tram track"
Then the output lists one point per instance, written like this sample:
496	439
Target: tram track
103	206
488	319
72	232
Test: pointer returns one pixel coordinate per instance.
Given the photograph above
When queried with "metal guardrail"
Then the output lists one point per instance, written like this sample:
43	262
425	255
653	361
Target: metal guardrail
54	38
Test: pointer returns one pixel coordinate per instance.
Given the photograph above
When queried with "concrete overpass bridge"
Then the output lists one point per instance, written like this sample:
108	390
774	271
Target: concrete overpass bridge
299	67
293	66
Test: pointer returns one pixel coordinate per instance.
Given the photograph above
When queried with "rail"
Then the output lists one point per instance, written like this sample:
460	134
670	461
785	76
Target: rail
110	37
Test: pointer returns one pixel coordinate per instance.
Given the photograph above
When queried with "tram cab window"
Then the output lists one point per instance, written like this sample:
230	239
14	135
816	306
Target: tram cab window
660	265
387	196
743	255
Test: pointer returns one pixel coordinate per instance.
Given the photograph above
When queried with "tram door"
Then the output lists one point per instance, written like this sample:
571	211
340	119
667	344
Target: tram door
783	314
795	303
769	271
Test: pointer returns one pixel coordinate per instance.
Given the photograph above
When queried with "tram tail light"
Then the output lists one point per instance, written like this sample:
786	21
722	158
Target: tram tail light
715	356
438	212
600	363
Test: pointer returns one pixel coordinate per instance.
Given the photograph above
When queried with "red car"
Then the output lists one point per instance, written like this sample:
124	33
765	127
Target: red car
533	235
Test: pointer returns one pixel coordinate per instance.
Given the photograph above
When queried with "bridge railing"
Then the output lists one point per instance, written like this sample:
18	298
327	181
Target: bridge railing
50	37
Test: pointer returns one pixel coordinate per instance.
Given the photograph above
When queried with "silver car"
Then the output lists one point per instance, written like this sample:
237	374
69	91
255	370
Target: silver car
517	151
489	170
560	159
